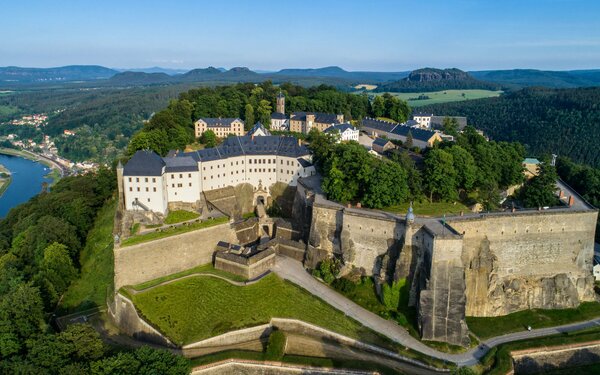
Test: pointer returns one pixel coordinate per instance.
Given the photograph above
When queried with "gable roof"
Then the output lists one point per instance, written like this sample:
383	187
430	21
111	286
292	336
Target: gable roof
381	141
258	127
144	163
340	127
182	164
322	118
531	161
248	145
278	116
384	126
418	134
217	122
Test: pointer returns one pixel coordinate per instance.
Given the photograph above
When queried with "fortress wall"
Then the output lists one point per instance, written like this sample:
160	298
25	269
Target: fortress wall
150	260
365	238
325	228
528	260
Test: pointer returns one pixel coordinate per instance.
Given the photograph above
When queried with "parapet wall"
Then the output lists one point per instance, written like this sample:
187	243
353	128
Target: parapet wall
150	260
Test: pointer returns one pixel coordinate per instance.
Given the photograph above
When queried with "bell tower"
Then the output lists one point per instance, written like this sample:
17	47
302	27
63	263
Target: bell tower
280	103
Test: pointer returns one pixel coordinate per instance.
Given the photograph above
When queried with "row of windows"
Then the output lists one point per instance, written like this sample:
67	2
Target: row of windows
180	175
137	179
181	185
138	189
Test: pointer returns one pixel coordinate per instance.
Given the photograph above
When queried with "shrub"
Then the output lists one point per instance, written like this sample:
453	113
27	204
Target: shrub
344	285
276	346
390	294
329	269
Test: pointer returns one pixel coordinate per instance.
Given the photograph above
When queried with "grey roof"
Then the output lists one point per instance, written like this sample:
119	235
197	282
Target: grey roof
217	122
322	118
384	126
278	116
304	163
380	141
144	163
422	114
258	126
418	134
411	123
247	145
339	127
182	164
438	121
280	95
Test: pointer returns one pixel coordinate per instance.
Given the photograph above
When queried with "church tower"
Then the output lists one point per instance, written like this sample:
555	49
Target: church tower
280	103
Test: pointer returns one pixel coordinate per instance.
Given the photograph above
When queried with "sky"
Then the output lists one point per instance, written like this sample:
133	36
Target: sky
270	35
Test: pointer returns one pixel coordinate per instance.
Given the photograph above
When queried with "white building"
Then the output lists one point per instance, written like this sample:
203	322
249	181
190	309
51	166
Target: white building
279	121
344	132
258	130
151	182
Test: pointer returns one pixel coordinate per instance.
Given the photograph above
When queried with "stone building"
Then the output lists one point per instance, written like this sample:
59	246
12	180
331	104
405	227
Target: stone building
420	138
151	182
221	126
304	122
279	120
381	145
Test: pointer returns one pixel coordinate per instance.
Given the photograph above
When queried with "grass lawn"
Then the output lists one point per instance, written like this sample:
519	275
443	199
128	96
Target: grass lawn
294	359
205	268
425	208
180	215
490	327
197	308
445	96
96	259
172	231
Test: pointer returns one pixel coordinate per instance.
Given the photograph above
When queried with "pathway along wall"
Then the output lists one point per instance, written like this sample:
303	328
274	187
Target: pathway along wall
150	260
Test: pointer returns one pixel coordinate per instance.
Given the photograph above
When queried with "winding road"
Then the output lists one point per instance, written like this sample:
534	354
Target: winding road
293	271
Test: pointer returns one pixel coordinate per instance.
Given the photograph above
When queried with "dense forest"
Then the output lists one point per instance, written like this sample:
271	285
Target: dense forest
470	169
40	243
103	119
172	128
560	121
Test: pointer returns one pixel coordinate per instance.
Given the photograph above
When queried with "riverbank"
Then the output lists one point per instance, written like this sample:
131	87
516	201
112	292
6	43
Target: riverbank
5	179
56	170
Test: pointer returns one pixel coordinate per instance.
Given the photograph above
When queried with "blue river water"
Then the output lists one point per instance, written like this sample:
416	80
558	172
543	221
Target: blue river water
27	179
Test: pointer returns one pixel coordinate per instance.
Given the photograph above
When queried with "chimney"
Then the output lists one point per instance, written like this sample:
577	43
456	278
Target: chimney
299	142
571	200
561	195
349	205
358	205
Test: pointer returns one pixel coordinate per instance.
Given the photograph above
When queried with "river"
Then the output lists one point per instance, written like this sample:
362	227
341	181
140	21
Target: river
27	179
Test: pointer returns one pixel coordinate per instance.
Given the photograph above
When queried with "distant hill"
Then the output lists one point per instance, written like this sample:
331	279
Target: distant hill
140	78
531	77
60	74
560	121
431	79
156	69
337	72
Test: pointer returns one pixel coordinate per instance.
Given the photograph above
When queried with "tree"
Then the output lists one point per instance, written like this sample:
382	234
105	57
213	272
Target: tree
450	126
378	106
465	166
440	175
409	140
208	138
540	190
249	116
264	112
56	272
388	186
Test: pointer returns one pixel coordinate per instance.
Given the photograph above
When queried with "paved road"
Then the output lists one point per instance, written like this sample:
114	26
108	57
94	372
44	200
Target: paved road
294	271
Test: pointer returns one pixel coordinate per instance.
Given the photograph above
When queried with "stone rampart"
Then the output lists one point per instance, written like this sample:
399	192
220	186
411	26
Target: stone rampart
150	260
527	260
542	360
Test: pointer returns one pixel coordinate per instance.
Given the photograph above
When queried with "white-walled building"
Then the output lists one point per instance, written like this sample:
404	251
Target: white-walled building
154	181
344	132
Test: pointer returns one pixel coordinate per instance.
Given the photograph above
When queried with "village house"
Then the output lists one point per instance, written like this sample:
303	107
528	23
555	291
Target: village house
222	127
343	132
381	145
304	122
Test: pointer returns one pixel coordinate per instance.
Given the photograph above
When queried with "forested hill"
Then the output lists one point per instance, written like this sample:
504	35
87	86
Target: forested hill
561	121
430	79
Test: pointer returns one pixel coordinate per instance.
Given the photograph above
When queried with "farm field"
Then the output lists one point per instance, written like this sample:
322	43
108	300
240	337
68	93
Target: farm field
445	96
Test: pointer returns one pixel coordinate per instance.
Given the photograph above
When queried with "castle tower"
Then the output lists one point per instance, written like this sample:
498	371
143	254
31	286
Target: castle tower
280	103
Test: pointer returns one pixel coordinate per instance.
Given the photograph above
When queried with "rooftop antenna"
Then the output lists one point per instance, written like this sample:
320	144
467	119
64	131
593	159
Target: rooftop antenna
553	163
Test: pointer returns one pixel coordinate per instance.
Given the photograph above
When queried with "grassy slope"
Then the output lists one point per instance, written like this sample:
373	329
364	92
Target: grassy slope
426	208
97	268
180	215
205	268
490	327
197	308
173	231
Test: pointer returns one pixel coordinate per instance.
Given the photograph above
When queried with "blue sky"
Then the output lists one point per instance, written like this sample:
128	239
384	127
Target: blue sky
356	35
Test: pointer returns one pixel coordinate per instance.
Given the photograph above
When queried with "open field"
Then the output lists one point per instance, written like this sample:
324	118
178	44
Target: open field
496	326
96	259
426	208
365	86
445	96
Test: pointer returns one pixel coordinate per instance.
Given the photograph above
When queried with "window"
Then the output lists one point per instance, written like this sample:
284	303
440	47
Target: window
146	179
148	200
179	185
154	189
130	189
172	176
129	179
137	179
189	175
147	190
172	185
153	179
190	184
138	189
181	175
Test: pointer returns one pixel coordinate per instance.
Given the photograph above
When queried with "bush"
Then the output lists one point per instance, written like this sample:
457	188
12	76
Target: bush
344	285
276	346
329	269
